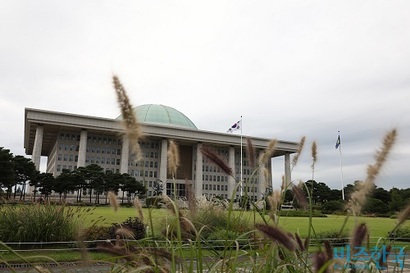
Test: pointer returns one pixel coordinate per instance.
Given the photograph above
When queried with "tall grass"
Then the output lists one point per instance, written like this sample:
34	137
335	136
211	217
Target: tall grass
40	223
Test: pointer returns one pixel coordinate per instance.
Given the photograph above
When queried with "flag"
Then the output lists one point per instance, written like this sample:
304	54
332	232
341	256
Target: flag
337	142
235	127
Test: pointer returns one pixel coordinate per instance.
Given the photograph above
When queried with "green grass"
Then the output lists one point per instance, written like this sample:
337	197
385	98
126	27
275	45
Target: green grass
378	227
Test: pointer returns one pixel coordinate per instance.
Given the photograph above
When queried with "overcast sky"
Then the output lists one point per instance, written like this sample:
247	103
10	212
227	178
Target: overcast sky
290	68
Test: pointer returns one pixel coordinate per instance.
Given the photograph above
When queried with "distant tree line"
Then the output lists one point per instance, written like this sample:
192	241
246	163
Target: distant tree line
381	201
90	182
18	172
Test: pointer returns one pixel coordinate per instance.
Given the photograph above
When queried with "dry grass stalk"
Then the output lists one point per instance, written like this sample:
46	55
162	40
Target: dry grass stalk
359	196
129	119
319	262
267	155
250	151
300	195
191	197
41	269
275	200
173	158
328	250
125	233
267	176
384	255
314	154
138	207
277	235
217	160
359	235
298	152
113	200
403	216
169	204
299	242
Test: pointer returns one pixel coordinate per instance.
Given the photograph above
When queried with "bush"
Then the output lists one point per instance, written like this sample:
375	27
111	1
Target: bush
39	223
134	224
95	233
334	237
300	213
401	234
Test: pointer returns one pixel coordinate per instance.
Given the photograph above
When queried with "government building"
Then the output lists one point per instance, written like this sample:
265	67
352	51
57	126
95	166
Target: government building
70	141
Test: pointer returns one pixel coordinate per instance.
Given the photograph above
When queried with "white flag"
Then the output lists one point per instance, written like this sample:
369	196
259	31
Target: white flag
235	127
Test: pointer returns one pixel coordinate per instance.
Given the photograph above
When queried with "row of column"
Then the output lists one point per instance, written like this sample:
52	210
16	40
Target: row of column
163	163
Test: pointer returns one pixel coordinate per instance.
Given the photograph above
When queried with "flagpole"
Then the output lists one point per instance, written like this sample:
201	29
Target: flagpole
241	188
341	166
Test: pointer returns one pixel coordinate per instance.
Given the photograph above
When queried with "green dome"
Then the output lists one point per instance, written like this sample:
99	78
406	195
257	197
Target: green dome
161	114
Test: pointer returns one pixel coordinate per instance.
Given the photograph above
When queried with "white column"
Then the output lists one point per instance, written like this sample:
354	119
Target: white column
231	180
125	153
262	184
163	169
82	149
287	170
38	144
198	172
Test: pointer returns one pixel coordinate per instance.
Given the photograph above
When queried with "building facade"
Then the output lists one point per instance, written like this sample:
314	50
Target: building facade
70	141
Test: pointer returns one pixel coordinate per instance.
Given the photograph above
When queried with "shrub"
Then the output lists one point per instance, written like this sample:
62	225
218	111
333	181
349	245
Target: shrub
95	233
300	213
134	224
401	234
334	237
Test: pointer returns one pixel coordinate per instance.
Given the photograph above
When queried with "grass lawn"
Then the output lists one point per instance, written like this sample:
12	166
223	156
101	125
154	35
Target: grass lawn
378	227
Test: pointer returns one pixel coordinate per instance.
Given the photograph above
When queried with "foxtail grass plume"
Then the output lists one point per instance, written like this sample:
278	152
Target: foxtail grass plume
275	199
319	262
125	233
138	207
359	234
298	152
191	197
250	151
314	154
384	255
359	197
300	195
267	155
267	176
404	215
113	200
173	158
277	235
129	119
217	160
299	242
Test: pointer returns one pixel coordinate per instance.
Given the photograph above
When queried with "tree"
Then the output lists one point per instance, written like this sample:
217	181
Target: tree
319	192
131	186
46	183
382	194
7	174
66	182
25	171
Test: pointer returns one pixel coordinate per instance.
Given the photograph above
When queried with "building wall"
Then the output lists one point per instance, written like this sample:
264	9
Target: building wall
71	141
